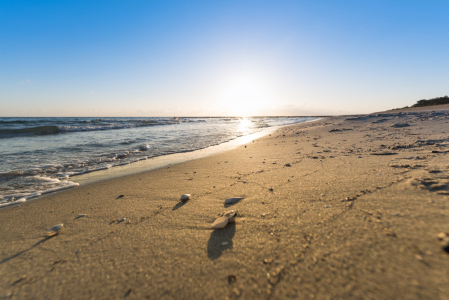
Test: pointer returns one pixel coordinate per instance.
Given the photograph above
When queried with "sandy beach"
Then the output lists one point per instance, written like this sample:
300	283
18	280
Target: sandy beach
340	208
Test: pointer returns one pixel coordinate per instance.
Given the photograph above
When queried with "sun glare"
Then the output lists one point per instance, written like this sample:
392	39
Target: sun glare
244	96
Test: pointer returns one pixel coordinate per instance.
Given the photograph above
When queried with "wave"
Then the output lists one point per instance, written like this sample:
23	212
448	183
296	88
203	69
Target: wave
30	130
79	126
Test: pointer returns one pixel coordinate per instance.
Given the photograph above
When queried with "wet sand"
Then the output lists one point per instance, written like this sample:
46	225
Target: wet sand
341	208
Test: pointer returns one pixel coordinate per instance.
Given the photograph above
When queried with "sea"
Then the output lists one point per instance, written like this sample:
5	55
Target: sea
43	155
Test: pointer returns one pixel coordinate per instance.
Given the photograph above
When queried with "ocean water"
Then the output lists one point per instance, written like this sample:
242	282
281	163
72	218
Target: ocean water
41	155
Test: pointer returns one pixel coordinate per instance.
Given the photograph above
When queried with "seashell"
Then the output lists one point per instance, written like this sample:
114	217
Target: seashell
233	200
228	217
80	216
54	230
185	197
230	214
221	222
121	220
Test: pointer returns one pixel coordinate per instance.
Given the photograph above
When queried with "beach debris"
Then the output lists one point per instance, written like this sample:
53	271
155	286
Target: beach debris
400	125
121	196
121	220
185	198
128	292
383	153
233	200
287	165
444	238
80	216
271	189
55	230
221	222
23	277
231	279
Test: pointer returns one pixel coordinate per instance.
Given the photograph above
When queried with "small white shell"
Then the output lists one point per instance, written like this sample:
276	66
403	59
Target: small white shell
185	197
54	230
221	222
233	200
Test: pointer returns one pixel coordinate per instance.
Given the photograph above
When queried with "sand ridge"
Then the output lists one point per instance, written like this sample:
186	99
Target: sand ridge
341	208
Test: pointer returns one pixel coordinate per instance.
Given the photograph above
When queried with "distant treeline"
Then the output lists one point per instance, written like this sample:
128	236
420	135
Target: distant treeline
433	101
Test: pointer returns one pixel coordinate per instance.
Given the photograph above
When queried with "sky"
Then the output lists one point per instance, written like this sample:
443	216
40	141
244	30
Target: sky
220	58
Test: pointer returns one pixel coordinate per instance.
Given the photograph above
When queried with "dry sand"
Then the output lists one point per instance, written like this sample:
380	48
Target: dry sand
341	208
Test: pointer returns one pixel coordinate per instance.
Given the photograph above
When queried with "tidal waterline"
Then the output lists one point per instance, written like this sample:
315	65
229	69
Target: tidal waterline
41	155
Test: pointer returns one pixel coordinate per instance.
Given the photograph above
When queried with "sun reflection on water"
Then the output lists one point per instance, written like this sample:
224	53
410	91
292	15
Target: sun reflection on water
244	126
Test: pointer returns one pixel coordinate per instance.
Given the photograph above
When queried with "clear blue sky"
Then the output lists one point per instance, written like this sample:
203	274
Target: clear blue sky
208	58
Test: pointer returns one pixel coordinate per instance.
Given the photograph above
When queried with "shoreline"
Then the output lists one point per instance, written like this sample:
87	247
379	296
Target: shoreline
141	165
170	159
341	208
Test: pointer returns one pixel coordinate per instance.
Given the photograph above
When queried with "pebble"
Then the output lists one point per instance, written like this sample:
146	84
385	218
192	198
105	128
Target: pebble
224	243
185	197
442	235
121	220
233	200
54	230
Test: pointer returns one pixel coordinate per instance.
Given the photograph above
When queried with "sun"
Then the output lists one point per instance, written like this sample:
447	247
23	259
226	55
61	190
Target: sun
244	96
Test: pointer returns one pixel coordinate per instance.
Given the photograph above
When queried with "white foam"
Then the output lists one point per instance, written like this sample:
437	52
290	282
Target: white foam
67	184
47	180
35	194
21	200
